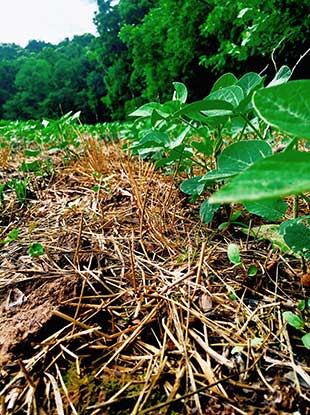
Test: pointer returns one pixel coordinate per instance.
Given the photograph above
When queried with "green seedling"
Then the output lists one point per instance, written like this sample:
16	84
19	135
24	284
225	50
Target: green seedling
10	237
233	253
20	188
298	323
35	250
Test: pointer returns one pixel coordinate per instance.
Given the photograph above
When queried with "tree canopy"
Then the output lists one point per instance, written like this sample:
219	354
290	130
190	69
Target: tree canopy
142	47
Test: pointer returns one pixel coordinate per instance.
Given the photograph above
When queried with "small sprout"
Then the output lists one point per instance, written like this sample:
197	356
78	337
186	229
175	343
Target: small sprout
257	341
293	320
236	349
306	340
35	250
252	271
233	254
11	236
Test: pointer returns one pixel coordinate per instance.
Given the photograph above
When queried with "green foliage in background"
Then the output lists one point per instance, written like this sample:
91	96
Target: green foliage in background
142	47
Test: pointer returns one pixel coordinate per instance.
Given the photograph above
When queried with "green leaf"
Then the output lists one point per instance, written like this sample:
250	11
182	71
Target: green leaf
241	155
31	166
270	209
225	80
282	76
145	110
249	81
293	320
180	93
204	105
207	211
233	254
11	236
306	340
297	235
252	271
232	94
286	107
280	175
32	153
35	250
192	186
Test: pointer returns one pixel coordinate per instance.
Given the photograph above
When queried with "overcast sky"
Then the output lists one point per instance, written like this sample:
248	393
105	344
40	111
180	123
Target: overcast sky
48	20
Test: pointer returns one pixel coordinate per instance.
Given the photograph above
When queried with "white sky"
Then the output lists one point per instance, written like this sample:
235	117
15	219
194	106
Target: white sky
48	20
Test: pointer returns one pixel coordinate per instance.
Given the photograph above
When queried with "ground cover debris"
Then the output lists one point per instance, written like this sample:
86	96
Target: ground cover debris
134	306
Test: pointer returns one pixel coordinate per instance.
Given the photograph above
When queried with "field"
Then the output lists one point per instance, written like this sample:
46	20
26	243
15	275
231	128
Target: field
122	294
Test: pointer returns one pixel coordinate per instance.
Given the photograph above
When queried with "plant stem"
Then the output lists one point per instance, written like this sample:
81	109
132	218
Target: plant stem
252	126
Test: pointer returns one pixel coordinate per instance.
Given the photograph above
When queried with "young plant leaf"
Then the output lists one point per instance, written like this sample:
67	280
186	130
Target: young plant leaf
252	271
249	81
180	93
241	155
297	235
286	107
270	209
282	76
232	94
233	254
207	211
225	80
145	110
35	250
11	236
280	175
293	320
306	340
193	186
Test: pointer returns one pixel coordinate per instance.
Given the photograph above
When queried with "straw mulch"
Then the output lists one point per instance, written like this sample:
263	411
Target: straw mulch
134	307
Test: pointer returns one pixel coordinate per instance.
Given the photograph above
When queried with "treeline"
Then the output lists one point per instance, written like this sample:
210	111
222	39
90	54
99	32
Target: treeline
145	45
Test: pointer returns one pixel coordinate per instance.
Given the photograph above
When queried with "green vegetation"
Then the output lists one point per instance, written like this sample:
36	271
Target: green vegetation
165	258
145	45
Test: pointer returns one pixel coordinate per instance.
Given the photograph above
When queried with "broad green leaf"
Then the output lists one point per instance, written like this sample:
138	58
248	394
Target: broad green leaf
306	340
192	186
32	153
233	254
145	110
270	209
293	320
282	76
296	234
217	176
286	107
232	94
203	105
249	81
180	93
225	80
153	137
241	155
207	211
280	175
